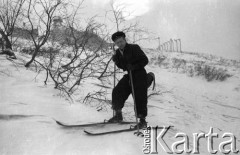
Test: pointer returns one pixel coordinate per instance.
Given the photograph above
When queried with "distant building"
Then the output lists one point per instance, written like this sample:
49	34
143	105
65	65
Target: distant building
24	32
70	36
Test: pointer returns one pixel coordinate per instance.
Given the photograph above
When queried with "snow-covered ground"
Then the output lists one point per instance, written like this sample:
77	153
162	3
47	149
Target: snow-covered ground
28	109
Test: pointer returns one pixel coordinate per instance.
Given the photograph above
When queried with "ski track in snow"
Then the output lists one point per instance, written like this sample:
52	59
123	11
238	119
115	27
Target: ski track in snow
27	109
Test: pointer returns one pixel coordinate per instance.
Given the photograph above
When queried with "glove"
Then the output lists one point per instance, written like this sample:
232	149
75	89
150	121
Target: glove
114	58
130	67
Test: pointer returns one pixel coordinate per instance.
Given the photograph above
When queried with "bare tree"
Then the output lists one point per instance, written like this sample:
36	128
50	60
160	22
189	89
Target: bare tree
118	17
40	15
10	10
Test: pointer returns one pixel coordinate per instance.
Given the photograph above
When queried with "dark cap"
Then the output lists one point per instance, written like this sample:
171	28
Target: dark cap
117	35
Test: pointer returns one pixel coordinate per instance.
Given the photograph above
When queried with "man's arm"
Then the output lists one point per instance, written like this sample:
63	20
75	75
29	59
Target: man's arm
115	59
139	59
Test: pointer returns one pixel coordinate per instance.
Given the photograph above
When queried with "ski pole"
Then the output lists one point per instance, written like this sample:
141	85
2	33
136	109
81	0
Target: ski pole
114	74
135	106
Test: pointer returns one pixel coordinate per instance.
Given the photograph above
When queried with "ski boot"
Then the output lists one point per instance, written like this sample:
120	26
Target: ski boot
142	124
117	118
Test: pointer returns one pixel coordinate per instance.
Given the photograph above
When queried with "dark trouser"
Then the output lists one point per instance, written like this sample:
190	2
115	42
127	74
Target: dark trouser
123	89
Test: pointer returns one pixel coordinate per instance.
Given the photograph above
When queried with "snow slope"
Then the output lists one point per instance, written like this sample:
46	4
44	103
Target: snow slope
28	109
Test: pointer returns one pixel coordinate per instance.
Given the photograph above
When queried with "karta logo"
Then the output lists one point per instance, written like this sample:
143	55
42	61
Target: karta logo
152	139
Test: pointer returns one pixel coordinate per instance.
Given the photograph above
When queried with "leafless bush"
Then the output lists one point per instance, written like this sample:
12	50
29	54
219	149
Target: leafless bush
212	73
27	50
157	60
178	63
68	72
102	104
196	67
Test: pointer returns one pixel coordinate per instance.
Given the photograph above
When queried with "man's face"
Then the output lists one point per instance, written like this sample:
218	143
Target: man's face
120	42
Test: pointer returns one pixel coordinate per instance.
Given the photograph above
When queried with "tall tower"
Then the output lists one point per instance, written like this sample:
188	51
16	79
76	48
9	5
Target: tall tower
56	31
57	22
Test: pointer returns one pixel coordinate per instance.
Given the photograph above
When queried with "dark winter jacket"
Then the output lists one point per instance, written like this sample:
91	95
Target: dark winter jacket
133	55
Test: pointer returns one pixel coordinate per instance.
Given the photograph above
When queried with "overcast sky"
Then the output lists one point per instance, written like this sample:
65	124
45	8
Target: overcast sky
209	26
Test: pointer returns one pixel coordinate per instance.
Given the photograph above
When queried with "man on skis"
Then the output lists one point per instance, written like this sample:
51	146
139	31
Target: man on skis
130	57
